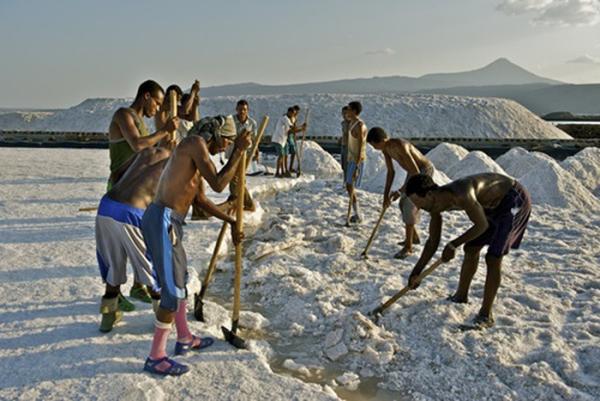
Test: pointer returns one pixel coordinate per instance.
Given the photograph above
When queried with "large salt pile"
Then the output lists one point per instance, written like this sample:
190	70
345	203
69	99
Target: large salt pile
375	173
474	163
317	161
518	161
550	184
585	165
445	155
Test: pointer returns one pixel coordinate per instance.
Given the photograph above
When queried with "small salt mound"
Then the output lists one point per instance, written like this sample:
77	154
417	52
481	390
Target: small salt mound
518	161
317	161
585	165
475	162
445	155
550	184
375	172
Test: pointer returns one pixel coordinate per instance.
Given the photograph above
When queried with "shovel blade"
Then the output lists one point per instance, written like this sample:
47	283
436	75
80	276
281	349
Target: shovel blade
198	308
233	339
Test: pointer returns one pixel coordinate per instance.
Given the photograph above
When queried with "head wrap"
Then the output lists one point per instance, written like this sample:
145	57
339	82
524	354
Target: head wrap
214	127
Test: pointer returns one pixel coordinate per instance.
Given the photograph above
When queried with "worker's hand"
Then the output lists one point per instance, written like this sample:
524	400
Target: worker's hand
449	252
195	87
386	202
236	237
243	141
172	124
256	156
395	195
414	281
170	143
303	127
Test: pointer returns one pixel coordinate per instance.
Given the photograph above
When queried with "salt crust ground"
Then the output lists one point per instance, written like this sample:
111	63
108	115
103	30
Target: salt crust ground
50	346
545	345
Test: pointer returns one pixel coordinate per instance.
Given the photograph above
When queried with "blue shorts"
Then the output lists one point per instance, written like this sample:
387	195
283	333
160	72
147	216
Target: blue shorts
163	234
281	150
291	146
350	169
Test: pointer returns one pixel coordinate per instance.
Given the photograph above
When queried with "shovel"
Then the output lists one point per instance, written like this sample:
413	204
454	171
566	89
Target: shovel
301	149
230	335
375	313
364	253
198	297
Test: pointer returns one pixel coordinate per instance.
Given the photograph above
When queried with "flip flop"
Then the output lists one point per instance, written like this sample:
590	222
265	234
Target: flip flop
175	368
183	348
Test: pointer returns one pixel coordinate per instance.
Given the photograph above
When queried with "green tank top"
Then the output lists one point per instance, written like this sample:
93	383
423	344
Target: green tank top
120	150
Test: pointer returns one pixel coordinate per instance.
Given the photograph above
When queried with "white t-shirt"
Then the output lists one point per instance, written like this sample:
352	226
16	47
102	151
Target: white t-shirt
282	128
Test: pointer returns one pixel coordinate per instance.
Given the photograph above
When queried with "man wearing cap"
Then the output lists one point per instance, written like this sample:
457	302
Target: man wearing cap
179	184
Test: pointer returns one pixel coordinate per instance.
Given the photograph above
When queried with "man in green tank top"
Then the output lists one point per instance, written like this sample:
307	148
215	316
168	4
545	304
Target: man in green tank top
127	133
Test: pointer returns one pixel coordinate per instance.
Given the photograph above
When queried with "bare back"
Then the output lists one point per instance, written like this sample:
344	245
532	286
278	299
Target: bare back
137	186
486	189
407	155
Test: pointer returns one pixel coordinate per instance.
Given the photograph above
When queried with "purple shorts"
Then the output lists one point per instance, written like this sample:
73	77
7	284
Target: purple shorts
507	222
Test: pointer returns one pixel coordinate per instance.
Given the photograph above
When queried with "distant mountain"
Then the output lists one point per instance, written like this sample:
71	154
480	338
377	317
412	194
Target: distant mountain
500	72
539	98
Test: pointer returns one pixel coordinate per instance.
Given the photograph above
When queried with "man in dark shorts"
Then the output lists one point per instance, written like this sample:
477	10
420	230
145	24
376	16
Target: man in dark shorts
181	182
499	208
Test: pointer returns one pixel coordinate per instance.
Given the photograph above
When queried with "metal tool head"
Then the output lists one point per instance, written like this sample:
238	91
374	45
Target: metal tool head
233	338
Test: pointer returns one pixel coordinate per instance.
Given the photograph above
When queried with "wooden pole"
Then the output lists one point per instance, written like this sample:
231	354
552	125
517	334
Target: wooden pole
239	227
173	111
301	148
379	310
198	305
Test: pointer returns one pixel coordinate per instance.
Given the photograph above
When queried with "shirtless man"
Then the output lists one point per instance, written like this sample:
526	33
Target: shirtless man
119	234
499	208
127	135
161	225
413	162
357	153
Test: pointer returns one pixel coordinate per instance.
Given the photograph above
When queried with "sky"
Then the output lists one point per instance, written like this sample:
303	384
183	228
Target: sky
55	54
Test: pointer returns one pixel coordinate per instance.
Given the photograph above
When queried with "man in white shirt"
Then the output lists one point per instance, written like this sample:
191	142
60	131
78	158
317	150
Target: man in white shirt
243	123
280	137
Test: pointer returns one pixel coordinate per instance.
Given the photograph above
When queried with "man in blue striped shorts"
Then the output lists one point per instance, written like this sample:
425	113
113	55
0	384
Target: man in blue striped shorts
180	183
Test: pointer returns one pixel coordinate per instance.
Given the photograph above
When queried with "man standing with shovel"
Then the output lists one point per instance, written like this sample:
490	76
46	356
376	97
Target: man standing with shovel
413	162
163	234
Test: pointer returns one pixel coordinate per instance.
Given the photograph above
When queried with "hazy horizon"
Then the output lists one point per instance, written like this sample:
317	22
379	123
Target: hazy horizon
57	54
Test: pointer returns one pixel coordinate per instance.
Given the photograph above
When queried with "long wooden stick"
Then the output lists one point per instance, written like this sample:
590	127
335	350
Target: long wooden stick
173	112
239	227
301	149
406	289
379	220
213	260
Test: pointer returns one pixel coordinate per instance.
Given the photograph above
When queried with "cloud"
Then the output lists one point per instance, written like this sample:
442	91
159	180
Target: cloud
584	60
554	12
381	52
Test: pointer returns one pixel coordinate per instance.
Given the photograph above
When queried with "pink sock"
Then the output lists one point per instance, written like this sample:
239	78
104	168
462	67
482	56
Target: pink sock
159	342
183	332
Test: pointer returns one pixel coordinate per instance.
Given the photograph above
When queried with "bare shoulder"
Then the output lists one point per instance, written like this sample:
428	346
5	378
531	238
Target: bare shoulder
194	144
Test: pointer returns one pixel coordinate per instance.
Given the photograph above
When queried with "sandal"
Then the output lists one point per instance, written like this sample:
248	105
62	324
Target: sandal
175	368
183	348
